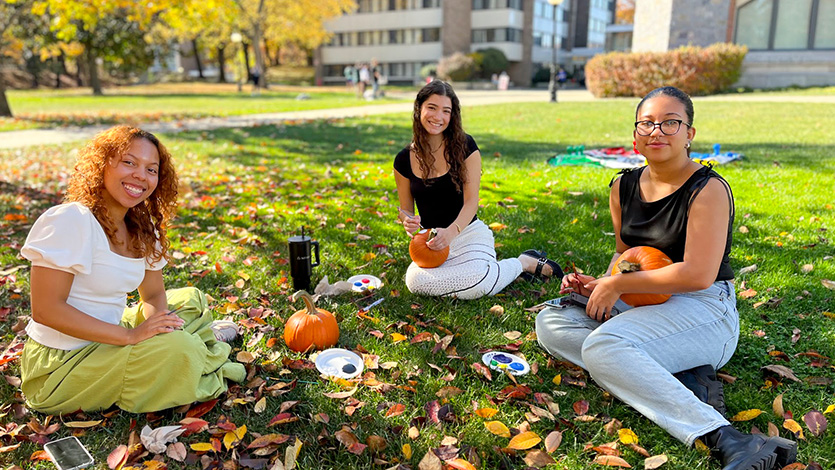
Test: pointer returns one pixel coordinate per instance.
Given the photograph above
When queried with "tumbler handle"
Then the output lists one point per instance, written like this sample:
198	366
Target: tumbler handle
315	245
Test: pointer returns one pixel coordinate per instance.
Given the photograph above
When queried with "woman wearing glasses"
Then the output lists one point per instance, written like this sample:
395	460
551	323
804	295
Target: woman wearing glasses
686	210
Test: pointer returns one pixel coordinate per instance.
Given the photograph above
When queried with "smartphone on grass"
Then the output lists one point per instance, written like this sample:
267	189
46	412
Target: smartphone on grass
68	454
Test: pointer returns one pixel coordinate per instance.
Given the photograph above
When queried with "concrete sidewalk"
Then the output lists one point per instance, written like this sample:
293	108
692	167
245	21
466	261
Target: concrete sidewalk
61	135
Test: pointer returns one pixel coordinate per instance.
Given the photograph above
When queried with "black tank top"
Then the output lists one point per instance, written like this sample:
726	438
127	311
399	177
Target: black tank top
437	200
662	224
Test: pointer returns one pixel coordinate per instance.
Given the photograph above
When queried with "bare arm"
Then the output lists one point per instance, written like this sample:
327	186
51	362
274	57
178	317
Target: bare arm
50	289
406	214
152	292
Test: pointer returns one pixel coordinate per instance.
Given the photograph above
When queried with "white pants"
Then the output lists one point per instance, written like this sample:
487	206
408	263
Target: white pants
471	270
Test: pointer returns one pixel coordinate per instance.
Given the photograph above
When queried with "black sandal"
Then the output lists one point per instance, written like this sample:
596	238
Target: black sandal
541	261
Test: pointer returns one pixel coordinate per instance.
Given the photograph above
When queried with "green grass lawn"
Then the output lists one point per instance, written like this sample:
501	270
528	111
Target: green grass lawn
245	191
140	104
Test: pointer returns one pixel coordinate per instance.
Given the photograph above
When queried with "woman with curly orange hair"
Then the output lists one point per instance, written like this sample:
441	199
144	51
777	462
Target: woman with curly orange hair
86	350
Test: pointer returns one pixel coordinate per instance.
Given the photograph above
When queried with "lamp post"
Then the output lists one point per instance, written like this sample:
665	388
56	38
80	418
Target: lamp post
237	38
552	84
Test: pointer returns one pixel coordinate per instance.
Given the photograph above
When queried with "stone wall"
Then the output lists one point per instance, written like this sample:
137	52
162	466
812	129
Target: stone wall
456	32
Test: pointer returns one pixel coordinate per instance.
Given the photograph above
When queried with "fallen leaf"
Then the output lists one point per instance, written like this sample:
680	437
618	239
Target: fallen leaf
497	226
524	440
512	335
341	395
777	406
611	461
746	415
395	410
201	447
397	337
748	269
430	461
498	428
748	293
283	418
82	424
627	436
118	457
781	371
460	464
816	422
795	428
488	413
260	405
829	409
553	441
828	284
421	337
655	461
177	451
772	430
581	407
539	459
407	451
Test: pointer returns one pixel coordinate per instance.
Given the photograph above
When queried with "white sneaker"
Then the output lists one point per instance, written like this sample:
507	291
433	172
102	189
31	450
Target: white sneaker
225	330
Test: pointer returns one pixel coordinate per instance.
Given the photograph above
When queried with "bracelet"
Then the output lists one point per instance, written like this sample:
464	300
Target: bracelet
456	226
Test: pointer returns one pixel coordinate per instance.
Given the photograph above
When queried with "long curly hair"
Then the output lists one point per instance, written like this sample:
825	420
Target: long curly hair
455	140
146	222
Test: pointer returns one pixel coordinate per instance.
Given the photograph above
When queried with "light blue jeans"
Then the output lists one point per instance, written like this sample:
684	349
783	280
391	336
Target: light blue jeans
635	354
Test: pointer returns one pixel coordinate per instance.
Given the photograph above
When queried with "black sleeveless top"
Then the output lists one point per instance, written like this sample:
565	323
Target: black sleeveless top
437	200
662	224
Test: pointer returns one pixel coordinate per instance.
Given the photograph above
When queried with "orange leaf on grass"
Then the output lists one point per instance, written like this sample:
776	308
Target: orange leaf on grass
282	418
525	440
486	413
611	461
201	408
395	410
795	428
425	336
460	464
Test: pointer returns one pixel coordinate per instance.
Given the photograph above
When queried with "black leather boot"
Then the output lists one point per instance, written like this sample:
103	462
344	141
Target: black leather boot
702	381
739	451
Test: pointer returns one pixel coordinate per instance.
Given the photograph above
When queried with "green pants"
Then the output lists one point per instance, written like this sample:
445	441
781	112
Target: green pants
167	370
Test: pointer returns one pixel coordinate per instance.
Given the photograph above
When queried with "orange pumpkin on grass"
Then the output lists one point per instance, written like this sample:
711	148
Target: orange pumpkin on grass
424	256
641	258
310	327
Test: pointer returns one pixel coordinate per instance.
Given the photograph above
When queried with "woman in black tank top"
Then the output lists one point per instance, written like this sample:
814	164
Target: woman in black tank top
672	349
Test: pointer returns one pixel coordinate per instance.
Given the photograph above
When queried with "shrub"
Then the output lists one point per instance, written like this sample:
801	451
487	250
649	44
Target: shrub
456	67
694	70
492	61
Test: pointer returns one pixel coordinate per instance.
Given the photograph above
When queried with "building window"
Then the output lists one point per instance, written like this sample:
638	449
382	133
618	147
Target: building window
824	32
431	34
496	4
786	24
792	28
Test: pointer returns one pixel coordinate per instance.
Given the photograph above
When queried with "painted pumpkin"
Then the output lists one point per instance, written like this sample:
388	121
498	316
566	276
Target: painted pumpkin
310	328
424	256
642	258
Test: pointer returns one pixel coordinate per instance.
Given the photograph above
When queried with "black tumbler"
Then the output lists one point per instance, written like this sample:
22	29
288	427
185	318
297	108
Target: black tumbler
301	265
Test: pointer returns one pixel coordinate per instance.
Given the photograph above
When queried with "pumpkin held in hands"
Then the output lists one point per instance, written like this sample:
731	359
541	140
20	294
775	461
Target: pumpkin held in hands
641	258
424	256
310	327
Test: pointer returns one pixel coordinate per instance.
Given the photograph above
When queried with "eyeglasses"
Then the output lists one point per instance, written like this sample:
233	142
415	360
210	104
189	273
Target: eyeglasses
668	127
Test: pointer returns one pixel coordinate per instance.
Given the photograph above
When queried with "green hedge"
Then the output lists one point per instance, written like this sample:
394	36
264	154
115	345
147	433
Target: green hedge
695	70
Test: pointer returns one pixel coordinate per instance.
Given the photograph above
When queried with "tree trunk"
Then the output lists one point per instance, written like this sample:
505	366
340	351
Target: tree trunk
260	64
93	68
196	52
221	61
246	61
5	110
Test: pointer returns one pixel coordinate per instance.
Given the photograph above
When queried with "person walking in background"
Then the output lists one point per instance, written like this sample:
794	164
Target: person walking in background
364	80
376	75
348	73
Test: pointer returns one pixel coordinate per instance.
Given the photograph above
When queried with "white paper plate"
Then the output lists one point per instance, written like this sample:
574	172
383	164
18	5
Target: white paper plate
502	361
339	362
362	282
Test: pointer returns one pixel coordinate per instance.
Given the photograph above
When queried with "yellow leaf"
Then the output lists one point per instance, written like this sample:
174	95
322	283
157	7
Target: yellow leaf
460	464
792	426
397	337
243	275
627	436
407	451
574	221
497	226
490	412
82	424
525	440
747	415
201	447
557	379
232	438
368	257
829	409
702	447
498	428
261	405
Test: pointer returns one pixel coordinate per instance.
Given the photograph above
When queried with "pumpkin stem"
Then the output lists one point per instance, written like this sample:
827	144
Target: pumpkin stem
432	234
308	301
627	267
